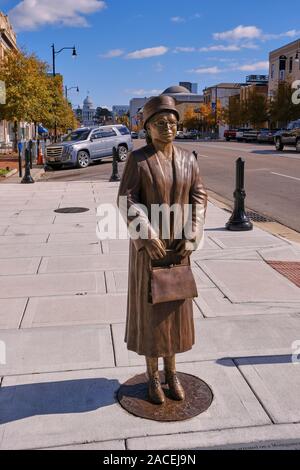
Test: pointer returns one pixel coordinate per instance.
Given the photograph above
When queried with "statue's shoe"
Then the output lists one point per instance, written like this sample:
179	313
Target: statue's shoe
155	391
175	387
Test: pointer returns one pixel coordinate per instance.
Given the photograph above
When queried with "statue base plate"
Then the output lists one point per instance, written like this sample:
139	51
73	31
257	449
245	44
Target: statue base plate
133	397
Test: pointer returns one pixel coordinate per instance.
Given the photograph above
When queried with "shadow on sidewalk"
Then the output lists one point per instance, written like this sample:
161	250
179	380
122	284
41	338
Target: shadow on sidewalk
253	360
70	396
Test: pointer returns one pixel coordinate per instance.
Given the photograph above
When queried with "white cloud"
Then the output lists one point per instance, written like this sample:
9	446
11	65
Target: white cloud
149	52
257	66
143	92
287	34
206	70
177	19
220	47
239	33
112	53
32	14
185	49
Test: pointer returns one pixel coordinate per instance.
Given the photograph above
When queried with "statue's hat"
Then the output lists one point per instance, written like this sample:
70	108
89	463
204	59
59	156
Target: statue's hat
159	104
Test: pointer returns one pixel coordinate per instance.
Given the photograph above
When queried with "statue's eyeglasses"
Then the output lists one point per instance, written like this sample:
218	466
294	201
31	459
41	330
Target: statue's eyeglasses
164	124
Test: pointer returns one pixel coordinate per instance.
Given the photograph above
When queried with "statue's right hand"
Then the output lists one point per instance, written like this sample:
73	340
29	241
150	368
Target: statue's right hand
155	248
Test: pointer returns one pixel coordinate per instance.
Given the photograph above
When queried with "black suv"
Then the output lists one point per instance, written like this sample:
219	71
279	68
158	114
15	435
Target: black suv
289	136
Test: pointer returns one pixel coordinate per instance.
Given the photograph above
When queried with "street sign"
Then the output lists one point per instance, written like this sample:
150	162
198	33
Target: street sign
213	106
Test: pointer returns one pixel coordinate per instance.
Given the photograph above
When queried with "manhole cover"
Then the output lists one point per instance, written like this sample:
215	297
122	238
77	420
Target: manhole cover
289	269
259	218
133	397
71	210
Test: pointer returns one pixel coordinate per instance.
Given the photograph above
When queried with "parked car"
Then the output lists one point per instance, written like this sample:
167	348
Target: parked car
180	135
84	145
142	134
289	136
267	135
192	134
230	134
251	135
134	135
240	134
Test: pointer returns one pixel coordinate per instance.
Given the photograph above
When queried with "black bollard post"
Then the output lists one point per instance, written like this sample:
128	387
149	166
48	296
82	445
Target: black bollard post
27	177
30	145
115	173
239	221
20	148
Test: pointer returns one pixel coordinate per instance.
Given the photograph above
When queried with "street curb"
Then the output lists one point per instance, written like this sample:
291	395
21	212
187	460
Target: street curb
274	228
10	173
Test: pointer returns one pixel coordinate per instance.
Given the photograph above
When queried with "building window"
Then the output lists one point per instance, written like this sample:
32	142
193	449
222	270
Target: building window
272	71
291	65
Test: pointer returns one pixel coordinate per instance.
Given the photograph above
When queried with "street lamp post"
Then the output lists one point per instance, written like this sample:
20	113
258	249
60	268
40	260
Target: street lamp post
54	54
71	88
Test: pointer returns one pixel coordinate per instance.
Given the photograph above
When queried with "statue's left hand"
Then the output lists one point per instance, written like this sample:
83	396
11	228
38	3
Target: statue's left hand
181	250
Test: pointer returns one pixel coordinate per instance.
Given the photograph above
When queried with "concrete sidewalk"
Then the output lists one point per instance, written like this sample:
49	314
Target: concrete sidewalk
62	314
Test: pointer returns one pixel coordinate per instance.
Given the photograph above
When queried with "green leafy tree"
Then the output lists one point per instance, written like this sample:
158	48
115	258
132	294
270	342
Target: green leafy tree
257	109
281	107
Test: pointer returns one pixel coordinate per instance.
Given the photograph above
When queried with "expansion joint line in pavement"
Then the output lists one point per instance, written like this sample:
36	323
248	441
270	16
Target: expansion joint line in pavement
252	390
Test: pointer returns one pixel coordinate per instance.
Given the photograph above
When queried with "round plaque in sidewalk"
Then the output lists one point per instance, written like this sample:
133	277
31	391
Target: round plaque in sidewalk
133	397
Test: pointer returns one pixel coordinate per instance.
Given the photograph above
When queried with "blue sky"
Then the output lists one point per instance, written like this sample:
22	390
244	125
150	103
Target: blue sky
132	48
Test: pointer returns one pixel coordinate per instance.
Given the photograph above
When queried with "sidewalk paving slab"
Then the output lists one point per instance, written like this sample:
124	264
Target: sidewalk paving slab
82	227
276	382
23	239
18	266
70	408
250	281
213	303
105	445
82	263
36	350
75	310
271	437
52	284
11	312
218	338
49	249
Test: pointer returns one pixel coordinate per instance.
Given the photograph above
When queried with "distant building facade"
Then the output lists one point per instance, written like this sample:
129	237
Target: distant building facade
257	83
135	106
88	113
184	99
221	92
120	110
192	87
284	65
8	42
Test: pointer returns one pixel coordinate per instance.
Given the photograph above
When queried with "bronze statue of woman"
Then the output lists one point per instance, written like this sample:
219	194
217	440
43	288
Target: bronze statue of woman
160	173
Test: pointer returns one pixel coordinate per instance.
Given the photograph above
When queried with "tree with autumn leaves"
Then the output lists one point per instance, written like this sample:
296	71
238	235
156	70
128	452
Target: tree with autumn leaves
32	94
203	118
258	110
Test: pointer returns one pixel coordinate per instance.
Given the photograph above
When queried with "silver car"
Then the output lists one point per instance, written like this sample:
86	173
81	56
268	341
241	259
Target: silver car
86	144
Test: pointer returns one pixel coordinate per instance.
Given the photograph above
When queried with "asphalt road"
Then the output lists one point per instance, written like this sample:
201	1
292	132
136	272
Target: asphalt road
272	179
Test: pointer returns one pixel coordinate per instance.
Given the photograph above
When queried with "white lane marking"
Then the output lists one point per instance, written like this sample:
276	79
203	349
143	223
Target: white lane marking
286	176
202	156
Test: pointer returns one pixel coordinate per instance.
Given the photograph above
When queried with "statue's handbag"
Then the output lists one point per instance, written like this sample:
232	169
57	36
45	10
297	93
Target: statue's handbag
171	279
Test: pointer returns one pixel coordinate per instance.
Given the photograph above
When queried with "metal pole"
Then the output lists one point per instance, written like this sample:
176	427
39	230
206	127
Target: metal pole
66	89
54	75
27	177
239	221
53	61
115	173
20	158
30	152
